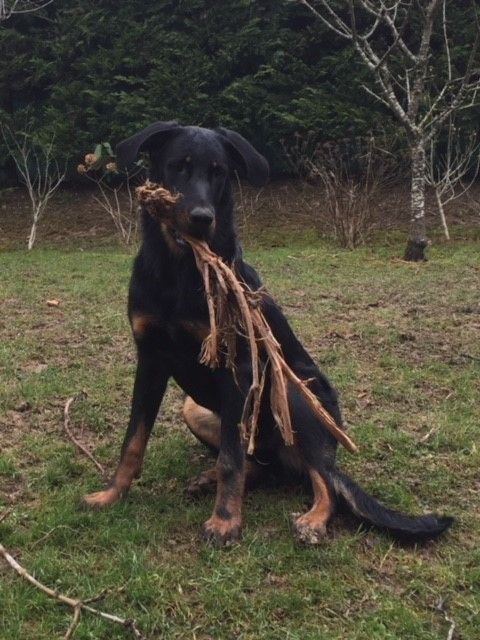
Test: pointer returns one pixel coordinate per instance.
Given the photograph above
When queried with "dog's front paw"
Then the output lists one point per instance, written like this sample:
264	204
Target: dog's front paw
308	530
101	499
221	533
205	483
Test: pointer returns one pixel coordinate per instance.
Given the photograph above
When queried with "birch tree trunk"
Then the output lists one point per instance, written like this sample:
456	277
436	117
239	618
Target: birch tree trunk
441	211
417	241
33	231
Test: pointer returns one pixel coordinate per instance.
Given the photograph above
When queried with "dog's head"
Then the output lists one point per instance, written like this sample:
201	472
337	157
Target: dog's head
197	163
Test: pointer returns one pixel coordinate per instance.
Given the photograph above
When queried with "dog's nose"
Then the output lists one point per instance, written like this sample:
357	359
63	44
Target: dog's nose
201	217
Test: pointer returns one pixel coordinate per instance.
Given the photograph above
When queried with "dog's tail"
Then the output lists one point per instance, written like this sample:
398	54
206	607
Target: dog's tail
369	511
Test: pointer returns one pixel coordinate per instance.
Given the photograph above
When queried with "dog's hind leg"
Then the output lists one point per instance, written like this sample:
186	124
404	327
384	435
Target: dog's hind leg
203	423
205	426
316	448
150	383
311	527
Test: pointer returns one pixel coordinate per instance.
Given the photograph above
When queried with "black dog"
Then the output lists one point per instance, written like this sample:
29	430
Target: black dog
169	319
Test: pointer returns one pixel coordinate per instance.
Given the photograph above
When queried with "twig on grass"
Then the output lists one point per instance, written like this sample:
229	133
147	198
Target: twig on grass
48	534
234	309
77	443
77	612
440	606
77	605
5	514
468	356
428	435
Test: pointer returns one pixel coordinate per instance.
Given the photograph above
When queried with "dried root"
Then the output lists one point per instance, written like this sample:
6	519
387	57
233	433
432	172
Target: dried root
156	200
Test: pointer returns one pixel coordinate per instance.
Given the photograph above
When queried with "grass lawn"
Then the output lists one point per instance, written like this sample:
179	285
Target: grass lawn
401	344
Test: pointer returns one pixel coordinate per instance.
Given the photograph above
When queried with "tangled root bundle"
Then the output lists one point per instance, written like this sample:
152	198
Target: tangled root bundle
156	200
234	309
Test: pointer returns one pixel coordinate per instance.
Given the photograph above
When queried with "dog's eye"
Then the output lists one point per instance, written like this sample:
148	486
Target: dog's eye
217	170
179	166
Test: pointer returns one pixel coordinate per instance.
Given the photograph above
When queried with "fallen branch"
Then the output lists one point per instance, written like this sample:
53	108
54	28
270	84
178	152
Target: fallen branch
77	605
77	612
234	309
5	514
468	356
440	606
77	443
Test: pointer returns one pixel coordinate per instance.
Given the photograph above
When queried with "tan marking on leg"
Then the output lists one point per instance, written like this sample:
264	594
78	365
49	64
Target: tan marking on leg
199	330
222	532
311	526
129	468
140	324
205	483
224	526
101	499
203	423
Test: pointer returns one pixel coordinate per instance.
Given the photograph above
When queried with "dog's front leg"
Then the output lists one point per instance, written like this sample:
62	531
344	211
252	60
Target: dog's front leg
150	384
224	526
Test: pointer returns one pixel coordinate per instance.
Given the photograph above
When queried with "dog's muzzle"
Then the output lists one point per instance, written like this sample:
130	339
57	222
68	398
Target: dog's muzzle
202	221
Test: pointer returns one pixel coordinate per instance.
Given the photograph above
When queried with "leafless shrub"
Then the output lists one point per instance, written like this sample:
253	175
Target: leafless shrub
473	203
119	203
115	192
354	174
452	171
9	8
38	169
248	203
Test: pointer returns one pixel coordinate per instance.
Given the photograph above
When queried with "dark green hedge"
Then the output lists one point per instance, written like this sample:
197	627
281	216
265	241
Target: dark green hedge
97	70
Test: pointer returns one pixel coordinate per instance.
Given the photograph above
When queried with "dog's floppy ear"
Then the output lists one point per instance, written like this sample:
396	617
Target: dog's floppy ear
153	135
246	160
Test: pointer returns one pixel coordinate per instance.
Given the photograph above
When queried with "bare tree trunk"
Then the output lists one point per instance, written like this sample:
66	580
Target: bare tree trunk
441	211
33	235
417	242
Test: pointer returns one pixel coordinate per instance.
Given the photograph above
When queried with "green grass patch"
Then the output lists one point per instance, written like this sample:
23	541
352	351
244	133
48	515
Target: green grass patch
399	341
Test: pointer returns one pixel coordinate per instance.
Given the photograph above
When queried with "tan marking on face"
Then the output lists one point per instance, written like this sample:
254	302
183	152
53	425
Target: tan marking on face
173	246
140	324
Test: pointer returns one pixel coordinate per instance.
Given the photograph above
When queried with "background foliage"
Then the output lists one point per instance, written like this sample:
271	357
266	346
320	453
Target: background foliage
93	70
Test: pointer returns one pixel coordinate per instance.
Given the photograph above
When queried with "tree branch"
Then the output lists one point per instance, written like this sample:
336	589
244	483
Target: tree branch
421	64
337	26
77	443
29	6
73	603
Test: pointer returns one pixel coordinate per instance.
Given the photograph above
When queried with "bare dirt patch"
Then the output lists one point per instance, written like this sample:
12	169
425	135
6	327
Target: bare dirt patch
282	206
